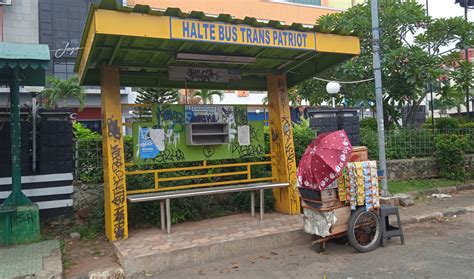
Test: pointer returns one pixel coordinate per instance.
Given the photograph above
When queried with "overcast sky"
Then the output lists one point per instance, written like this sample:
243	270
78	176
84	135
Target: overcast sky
446	8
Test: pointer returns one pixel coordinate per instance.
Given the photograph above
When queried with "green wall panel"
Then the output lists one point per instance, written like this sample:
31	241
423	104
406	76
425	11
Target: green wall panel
172	120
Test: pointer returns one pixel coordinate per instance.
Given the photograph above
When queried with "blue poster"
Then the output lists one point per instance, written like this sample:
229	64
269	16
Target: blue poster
147	148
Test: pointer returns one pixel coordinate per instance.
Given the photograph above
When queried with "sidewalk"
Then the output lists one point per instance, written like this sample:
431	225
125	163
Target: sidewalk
40	260
427	208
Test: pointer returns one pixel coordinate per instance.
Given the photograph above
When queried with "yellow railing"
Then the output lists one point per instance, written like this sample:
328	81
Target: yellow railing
157	179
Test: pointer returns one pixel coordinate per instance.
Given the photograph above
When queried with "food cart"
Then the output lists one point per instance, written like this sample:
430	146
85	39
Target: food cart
339	190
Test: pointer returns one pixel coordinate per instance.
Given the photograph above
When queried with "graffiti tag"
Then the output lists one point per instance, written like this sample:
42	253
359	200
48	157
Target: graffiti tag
118	192
169	156
113	129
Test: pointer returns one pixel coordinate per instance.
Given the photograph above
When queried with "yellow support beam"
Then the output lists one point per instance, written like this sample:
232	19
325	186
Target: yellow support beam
337	44
283	149
115	196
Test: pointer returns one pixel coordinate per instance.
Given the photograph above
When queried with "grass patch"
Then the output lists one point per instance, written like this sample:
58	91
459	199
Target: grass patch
67	262
421	184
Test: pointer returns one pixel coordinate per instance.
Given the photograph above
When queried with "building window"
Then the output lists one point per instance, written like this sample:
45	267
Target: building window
306	2
301	2
63	68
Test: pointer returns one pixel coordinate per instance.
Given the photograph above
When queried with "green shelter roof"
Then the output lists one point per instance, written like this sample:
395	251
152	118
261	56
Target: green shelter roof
153	48
31	59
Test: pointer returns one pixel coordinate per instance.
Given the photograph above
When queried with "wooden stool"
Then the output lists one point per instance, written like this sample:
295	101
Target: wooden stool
389	231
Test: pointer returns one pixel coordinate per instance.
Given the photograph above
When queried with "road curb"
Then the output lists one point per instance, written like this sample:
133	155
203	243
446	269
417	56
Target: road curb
438	215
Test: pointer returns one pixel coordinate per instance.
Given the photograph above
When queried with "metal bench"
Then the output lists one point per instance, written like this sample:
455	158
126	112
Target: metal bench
165	197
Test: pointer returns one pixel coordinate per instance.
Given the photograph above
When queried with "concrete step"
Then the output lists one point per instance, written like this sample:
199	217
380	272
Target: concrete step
152	251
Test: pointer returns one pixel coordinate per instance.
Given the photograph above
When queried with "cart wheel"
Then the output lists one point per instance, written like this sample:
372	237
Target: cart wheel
364	230
320	247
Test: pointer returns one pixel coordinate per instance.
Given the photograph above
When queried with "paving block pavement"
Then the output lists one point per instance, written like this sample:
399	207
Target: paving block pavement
40	260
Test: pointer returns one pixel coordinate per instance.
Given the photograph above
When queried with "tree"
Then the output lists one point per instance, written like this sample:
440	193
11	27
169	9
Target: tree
61	89
407	65
206	95
149	96
157	96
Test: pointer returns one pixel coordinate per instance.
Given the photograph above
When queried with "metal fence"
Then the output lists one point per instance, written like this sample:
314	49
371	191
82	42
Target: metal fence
411	143
400	144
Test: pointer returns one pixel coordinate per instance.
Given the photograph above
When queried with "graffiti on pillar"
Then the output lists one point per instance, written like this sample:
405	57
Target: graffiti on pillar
282	93
113	128
287	135
289	148
118	178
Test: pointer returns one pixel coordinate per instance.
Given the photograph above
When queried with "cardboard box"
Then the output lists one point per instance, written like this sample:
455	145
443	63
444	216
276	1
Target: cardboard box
329	195
342	216
359	154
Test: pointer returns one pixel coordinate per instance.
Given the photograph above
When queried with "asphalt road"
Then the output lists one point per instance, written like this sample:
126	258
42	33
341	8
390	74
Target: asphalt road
438	249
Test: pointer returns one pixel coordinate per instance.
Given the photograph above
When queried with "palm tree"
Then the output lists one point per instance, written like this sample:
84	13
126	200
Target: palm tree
61	89
206	95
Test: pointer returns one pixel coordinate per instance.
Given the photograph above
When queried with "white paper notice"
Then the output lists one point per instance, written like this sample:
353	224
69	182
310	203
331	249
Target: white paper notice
244	135
158	138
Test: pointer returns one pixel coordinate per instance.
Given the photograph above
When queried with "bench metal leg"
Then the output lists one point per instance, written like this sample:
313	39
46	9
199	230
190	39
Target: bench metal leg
261	204
252	203
162	215
168	216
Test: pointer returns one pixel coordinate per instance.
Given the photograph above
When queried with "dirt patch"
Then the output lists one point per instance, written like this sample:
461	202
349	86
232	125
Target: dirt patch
82	256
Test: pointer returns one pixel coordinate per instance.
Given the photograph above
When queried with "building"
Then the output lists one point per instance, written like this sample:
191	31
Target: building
289	11
59	24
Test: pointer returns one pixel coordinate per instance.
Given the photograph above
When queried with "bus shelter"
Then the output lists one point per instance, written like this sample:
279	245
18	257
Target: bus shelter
141	47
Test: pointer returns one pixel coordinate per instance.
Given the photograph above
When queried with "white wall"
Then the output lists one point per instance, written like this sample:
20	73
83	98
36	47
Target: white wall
20	22
233	99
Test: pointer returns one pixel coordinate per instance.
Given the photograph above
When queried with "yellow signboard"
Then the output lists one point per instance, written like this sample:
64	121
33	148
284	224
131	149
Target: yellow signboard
216	32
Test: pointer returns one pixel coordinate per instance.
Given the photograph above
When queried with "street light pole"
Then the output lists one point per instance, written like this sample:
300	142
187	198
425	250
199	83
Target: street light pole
378	95
466	54
430	86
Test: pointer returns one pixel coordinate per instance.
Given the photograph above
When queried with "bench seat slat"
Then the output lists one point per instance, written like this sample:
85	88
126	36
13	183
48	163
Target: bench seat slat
203	191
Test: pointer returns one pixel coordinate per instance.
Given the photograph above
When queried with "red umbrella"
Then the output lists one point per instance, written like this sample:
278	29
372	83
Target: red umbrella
323	160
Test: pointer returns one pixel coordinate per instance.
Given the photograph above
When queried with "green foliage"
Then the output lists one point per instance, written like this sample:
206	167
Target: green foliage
82	133
407	65
206	95
368	138
89	144
151	96
368	123
61	90
428	123
447	123
468	125
303	135
450	151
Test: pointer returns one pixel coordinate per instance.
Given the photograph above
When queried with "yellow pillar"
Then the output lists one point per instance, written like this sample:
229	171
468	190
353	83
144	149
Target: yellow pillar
116	217
282	146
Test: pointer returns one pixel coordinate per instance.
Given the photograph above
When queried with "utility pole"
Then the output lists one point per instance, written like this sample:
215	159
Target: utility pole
378	95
